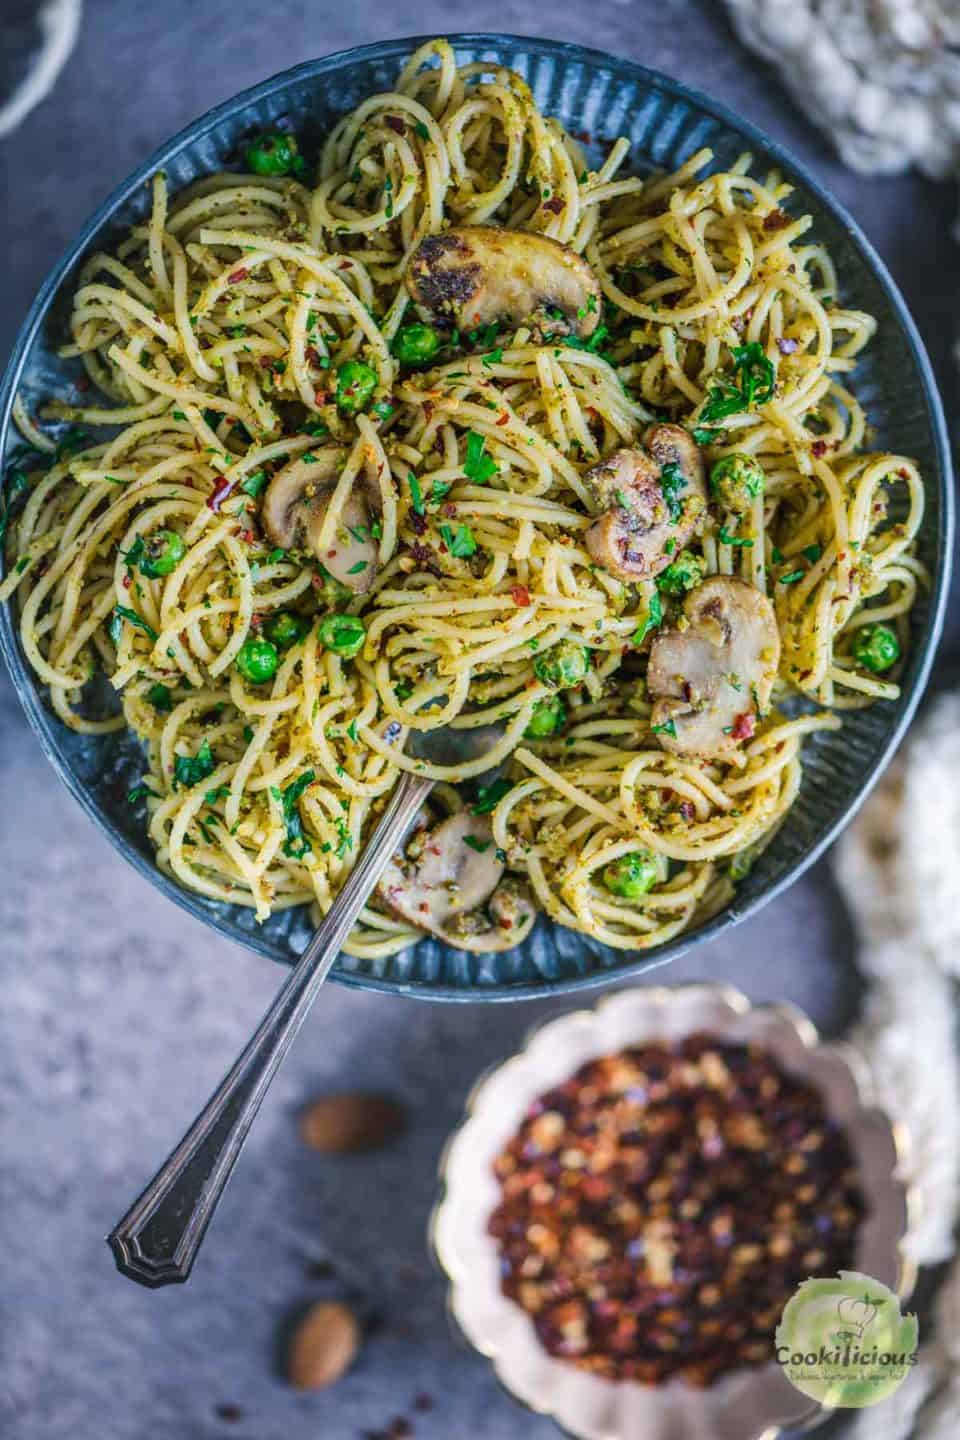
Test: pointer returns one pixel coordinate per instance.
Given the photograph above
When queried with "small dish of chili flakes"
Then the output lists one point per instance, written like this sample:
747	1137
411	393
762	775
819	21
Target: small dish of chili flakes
659	1208
634	1195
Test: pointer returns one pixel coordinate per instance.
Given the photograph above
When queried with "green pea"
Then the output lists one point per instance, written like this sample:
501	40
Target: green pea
563	666
736	481
548	717
356	382
257	661
274	153
416	344
285	629
343	634
632	875
684	574
162	553
876	647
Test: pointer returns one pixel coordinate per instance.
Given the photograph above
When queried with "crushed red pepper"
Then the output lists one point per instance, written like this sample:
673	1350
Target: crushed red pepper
661	1206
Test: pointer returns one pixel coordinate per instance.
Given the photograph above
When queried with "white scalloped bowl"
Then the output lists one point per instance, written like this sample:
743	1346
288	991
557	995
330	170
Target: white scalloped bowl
746	1404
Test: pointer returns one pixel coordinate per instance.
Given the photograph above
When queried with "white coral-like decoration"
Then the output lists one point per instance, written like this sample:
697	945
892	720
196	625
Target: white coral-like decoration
879	75
899	866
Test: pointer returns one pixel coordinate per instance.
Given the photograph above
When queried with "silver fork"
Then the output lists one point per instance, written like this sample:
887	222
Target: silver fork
157	1240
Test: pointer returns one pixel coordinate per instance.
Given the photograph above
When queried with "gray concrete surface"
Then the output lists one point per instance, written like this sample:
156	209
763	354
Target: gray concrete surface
119	1012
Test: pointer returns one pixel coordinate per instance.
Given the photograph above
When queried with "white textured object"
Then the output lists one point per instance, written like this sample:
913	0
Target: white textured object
743	1405
59	22
899	866
878	75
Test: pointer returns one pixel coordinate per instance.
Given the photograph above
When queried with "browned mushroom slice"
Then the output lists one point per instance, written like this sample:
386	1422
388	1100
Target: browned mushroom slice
480	275
445	872
710	680
649	498
295	506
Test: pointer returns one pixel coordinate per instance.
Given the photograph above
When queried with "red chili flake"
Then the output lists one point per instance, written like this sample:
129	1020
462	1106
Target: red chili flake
321	397
331	554
125	582
312	354
687	810
687	691
82	384
776	220
786	345
345	265
521	595
256	620
904	474
396	124
316	581
819	448
449	509
242	273
555	206
248	536
265	362
220	492
744	726
504	420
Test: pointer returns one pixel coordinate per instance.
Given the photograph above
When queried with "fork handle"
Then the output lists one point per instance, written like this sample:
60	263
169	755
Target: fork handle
157	1240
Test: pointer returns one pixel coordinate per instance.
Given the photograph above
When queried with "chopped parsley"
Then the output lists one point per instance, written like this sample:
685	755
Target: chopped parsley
668	728
651	620
479	845
489	796
672	481
726	538
297	844
344	838
123	612
189	770
139	792
254	483
479	466
460	542
753	383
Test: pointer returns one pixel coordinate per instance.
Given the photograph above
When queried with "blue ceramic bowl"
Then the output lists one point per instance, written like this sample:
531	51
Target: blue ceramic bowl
665	122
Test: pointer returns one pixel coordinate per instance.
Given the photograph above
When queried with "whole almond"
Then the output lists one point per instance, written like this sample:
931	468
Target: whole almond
324	1346
349	1122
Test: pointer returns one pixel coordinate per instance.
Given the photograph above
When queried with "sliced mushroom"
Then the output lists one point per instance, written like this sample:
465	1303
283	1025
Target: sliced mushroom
295	505
445	873
648	497
480	275
710	679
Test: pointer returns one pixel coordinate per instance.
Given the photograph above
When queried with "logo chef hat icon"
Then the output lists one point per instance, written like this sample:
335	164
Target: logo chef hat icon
856	1315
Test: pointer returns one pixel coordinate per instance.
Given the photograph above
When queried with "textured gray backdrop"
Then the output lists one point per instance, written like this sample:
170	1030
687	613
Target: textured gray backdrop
119	1012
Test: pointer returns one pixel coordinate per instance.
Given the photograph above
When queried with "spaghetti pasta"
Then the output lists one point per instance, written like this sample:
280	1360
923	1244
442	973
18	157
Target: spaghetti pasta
231	336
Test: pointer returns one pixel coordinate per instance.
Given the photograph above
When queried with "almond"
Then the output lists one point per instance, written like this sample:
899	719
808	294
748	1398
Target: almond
324	1346
350	1122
